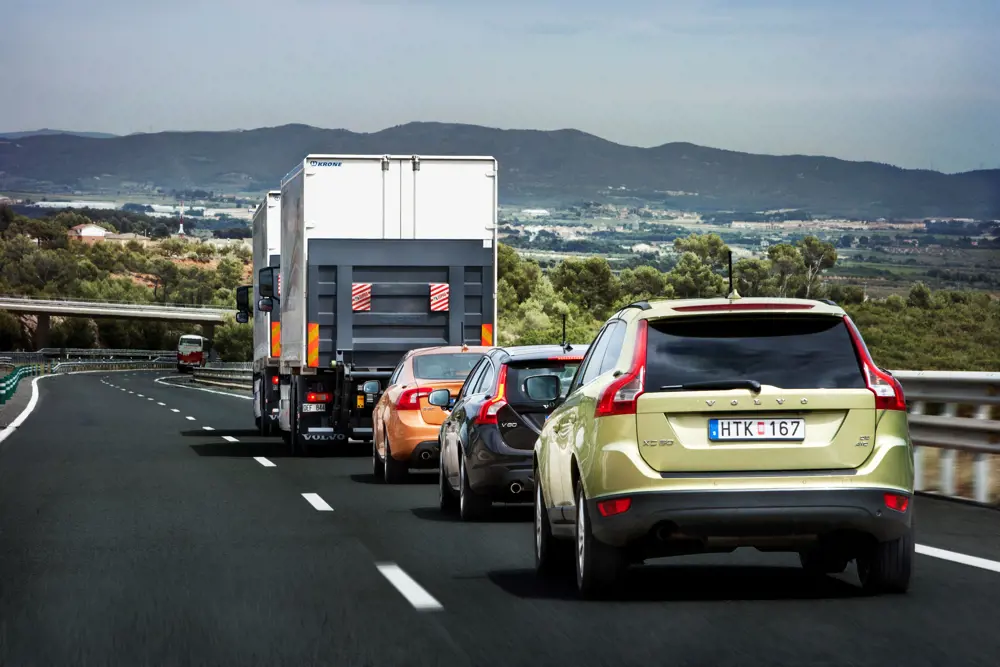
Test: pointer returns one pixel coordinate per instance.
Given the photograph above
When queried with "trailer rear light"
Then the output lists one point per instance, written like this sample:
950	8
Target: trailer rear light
742	305
275	380
887	389
619	397
488	413
313	397
897	501
410	399
614	506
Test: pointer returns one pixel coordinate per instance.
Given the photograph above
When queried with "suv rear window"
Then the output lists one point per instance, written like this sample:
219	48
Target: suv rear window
791	352
444	366
518	372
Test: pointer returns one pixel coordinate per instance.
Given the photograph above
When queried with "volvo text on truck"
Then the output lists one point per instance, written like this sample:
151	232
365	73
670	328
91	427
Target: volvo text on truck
379	255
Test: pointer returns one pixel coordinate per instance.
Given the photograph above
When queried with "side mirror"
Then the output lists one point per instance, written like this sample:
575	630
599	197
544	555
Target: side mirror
242	316
371	387
543	388
265	281
265	304
441	398
243	298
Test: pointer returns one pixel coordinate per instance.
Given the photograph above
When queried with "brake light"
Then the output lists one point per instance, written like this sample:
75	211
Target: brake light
742	305
567	358
488	413
274	380
313	397
619	397
613	506
896	501
410	398
888	392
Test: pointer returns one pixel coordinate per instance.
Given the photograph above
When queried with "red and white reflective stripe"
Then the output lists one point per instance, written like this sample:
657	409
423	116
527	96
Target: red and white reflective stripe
439	297
361	296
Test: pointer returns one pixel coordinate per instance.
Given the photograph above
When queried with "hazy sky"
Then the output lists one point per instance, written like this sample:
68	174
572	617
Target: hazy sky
911	82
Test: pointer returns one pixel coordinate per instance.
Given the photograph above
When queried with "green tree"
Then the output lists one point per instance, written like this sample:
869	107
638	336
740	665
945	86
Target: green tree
693	278
817	256
709	248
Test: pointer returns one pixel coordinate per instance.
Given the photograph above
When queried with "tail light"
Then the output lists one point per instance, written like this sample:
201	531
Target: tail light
488	413
896	501
314	397
410	399
888	392
274	380
614	506
619	397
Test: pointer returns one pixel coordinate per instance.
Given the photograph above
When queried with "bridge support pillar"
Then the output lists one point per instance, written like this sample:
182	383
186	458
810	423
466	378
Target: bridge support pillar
42	328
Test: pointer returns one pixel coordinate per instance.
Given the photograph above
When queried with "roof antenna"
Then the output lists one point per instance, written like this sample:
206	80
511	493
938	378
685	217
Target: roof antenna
733	294
565	344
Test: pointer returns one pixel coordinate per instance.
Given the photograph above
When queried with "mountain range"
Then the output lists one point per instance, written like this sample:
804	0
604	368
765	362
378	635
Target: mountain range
536	167
47	132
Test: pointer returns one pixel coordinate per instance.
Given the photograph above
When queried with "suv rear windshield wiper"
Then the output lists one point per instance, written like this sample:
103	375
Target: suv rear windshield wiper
752	385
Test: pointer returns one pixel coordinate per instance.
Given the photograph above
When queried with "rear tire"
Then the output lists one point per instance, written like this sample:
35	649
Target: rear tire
395	471
598	566
446	498
886	567
378	466
471	506
552	556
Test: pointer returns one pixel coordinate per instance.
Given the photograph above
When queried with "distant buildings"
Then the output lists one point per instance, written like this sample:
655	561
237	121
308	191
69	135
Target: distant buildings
87	233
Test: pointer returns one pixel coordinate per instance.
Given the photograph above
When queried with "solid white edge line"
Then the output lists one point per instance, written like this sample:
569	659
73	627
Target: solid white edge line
229	438
32	402
410	589
317	502
210	391
956	557
264	462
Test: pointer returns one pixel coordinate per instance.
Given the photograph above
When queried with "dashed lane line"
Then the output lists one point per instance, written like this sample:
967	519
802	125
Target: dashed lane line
174	410
317	502
189	418
229	438
410	589
208	428
264	462
161	403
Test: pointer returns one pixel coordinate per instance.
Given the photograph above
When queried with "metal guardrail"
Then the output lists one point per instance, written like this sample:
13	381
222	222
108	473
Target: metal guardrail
9	382
955	428
69	352
75	366
238	375
124	305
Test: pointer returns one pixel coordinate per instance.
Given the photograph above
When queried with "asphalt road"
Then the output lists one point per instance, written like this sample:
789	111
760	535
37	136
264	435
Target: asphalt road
130	535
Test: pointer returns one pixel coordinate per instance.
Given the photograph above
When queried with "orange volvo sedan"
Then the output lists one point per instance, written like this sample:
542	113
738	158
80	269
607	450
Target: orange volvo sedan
406	426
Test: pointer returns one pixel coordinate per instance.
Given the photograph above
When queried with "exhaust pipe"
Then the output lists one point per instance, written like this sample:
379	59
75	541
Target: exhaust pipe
516	488
425	455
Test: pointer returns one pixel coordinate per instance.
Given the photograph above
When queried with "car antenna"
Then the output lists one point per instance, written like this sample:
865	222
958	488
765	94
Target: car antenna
565	344
732	291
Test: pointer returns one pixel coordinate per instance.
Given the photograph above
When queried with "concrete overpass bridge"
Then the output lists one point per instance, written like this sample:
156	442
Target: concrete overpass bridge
205	316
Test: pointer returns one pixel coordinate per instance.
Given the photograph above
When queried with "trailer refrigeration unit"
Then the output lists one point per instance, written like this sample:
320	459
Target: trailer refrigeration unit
266	325
379	255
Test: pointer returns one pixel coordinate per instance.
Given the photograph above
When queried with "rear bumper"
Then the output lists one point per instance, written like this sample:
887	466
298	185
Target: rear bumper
494	477
768	516
425	455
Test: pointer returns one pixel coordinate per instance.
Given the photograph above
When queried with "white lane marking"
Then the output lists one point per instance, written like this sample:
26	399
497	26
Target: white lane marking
264	462
229	438
161	403
956	557
208	428
149	399
317	502
189	418
140	396
32	402
131	392
174	410
210	391
410	589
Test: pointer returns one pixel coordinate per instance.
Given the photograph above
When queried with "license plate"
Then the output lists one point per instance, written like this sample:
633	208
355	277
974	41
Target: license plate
756	429
313	407
361	401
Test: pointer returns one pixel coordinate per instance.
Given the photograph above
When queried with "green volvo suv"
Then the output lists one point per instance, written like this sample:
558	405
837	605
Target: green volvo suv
697	426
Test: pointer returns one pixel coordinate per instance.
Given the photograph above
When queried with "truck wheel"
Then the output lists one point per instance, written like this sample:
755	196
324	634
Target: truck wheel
395	471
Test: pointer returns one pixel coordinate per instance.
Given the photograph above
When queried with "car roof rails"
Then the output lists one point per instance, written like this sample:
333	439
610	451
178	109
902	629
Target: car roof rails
641	305
829	302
